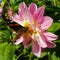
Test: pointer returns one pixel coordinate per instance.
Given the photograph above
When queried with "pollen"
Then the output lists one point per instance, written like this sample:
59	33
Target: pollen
27	24
36	31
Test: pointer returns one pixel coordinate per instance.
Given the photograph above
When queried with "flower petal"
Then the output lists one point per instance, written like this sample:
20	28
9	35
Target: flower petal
27	40
41	41
32	8
10	12
26	15
49	43
40	17
22	6
16	19
46	23
39	13
50	36
36	49
18	41
1	10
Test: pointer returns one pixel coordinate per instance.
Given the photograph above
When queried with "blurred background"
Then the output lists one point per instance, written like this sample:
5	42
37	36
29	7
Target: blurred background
9	51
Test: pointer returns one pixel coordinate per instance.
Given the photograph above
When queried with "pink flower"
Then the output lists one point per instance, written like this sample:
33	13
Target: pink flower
33	18
10	12
1	11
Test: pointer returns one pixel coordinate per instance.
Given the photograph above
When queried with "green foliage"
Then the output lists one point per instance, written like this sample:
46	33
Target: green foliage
54	57
55	27
8	51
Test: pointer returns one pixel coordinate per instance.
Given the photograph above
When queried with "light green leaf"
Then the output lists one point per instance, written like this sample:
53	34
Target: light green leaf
55	27
54	57
43	54
6	51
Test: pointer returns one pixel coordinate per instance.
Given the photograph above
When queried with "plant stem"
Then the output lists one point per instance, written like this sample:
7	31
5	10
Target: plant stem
48	54
18	56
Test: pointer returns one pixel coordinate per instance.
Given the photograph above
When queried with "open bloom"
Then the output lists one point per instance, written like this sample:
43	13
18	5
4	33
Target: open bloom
33	18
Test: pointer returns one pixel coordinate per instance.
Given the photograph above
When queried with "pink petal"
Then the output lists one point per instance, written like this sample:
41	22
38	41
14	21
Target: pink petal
38	13
27	40
1	10
10	12
47	23
32	8
18	41
16	19
40	17
36	49
22	6
49	43
50	36
26	15
41	41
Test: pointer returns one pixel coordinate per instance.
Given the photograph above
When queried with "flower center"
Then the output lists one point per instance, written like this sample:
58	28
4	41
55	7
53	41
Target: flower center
35	34
26	24
32	31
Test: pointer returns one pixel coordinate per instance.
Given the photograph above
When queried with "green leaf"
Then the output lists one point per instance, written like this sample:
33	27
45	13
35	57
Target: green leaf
54	57
0	20
58	5
2	48
9	52
55	27
43	54
6	51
